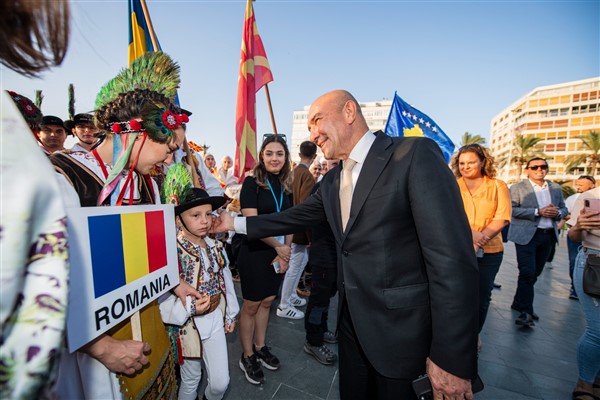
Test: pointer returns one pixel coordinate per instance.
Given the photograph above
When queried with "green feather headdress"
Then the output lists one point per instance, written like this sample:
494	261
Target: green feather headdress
152	71
176	186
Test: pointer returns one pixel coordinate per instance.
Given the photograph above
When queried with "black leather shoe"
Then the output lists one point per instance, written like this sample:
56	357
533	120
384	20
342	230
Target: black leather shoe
525	320
535	317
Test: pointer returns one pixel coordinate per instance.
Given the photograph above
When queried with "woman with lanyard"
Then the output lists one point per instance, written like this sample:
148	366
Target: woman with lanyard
263	262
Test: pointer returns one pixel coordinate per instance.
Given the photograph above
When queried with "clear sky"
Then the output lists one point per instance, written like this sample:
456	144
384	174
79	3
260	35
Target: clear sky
461	62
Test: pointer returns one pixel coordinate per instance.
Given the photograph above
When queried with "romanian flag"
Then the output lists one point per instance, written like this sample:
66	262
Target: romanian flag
254	74
141	32
125	247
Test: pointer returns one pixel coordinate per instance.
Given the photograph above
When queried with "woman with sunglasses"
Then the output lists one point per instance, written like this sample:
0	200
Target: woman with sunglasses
488	208
263	262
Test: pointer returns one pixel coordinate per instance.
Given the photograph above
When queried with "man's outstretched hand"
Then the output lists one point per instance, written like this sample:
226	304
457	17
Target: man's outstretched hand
223	223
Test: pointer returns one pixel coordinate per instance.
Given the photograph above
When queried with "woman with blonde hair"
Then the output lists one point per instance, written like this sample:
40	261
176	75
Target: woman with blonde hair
488	208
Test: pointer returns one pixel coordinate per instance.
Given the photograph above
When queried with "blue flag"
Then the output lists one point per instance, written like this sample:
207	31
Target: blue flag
405	120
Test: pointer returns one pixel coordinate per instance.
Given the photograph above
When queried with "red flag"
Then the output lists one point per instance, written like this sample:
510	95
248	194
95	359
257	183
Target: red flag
254	74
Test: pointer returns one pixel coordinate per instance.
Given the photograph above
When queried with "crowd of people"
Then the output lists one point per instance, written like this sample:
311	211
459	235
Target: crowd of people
411	250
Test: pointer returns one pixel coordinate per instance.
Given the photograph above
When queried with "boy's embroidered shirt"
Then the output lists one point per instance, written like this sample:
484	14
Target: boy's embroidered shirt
201	268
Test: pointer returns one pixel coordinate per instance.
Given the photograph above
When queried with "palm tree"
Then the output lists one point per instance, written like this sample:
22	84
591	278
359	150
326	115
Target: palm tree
525	148
566	189
591	153
467	138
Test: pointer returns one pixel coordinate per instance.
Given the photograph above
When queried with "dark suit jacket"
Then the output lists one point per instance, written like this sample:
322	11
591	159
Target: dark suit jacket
406	264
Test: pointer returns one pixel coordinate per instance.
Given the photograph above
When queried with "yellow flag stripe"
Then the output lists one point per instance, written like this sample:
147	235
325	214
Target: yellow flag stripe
135	246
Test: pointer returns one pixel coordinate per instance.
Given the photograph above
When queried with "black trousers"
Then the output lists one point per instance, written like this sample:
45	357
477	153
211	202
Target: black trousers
358	379
323	288
531	259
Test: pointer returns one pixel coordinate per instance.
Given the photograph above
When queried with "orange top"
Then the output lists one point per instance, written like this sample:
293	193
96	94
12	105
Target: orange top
490	202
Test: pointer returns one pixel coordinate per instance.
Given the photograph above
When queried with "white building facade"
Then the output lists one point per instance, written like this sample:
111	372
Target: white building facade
557	114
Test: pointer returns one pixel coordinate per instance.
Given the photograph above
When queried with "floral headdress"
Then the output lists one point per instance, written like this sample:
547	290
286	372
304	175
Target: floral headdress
138	101
29	111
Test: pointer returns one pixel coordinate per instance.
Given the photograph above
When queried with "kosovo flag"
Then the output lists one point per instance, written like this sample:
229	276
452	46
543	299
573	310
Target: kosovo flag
405	120
140	31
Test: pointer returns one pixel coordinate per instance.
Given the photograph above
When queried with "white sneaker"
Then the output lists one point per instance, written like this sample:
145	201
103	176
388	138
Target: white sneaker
297	301
291	312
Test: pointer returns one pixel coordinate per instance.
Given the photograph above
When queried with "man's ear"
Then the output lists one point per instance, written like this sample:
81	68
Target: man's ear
349	111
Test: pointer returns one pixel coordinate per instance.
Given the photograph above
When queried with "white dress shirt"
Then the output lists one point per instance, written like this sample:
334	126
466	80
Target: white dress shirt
542	194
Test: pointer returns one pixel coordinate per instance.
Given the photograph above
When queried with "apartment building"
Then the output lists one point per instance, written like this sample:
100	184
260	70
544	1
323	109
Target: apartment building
557	114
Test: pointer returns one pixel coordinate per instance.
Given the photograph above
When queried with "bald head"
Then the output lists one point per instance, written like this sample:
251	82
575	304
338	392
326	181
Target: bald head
336	123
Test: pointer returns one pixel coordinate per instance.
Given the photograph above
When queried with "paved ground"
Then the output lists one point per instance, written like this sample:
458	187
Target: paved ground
515	363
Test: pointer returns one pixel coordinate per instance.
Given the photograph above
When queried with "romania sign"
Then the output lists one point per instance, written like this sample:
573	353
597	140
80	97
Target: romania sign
122	258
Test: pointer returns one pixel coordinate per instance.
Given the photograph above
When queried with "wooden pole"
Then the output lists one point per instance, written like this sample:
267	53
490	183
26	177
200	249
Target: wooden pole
150	27
270	108
136	327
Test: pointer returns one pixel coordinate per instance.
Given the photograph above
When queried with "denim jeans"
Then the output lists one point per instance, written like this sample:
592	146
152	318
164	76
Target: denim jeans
588	347
573	249
531	258
489	265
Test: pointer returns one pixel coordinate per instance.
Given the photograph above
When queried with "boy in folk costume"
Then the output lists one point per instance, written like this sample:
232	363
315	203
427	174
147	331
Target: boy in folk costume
136	110
199	331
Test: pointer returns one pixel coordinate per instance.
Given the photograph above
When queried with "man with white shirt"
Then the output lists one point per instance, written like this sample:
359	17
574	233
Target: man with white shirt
537	206
407	273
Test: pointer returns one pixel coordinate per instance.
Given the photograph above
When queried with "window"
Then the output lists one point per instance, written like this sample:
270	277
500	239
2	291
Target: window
564	111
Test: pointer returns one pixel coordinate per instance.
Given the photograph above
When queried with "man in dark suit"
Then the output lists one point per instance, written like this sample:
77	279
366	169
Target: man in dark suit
537	206
407	273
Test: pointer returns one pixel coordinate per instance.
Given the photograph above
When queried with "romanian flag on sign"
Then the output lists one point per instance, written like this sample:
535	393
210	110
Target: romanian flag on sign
125	247
254	74
140	31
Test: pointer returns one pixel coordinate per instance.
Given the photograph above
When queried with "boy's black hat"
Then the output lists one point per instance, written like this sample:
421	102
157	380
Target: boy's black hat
198	197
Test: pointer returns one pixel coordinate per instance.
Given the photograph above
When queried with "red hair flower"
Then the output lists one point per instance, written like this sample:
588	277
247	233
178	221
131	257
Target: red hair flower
116	128
169	119
135	125
184	118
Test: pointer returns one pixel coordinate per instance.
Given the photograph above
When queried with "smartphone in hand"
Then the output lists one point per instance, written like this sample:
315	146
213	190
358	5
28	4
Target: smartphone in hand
592	204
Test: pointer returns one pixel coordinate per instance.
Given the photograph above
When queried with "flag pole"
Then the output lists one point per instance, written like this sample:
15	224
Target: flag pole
270	108
150	27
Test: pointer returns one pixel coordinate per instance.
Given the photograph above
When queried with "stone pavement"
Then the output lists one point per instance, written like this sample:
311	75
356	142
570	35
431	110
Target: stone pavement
515	363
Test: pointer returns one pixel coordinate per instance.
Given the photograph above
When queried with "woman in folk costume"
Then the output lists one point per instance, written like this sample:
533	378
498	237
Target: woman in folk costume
198	331
136	110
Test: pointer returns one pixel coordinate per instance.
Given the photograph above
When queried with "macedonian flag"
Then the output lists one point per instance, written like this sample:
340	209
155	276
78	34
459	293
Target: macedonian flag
254	74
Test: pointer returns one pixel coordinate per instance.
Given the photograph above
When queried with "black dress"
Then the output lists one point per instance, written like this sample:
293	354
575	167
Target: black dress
257	276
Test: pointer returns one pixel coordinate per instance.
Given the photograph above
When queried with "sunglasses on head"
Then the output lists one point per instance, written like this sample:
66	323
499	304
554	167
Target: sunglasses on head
279	135
589	178
536	167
